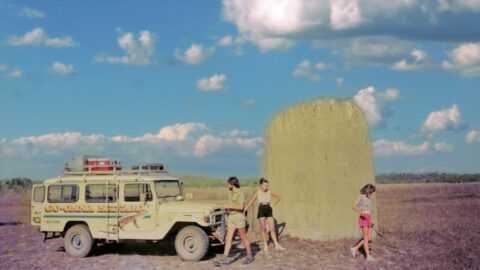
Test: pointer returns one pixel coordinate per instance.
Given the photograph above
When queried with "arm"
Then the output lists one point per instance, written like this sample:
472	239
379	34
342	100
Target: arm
252	200
238	207
276	196
356	209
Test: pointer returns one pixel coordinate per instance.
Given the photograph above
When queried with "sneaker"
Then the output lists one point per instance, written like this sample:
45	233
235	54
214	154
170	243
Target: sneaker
370	259
265	247
353	252
279	247
248	260
220	262
223	260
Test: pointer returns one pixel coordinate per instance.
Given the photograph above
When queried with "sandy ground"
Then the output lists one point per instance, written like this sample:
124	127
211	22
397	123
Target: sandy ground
430	226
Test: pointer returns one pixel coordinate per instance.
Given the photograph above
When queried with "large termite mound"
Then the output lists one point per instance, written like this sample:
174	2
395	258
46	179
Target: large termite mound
317	157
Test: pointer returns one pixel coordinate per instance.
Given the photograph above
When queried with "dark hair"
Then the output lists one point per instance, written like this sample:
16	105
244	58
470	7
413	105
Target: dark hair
234	181
368	188
263	180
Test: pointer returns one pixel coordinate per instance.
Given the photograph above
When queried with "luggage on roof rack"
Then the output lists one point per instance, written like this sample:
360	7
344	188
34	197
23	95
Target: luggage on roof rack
95	165
148	167
87	163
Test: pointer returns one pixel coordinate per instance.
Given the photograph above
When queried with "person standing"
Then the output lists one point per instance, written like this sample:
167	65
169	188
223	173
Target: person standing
235	221
363	206
265	213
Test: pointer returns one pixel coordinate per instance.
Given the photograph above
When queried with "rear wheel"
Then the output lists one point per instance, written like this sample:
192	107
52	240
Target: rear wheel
191	243
78	241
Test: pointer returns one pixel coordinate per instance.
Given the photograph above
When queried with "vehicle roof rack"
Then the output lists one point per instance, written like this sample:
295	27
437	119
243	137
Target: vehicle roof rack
92	165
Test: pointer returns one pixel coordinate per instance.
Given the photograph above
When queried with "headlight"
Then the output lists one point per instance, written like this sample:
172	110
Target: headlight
36	219
206	219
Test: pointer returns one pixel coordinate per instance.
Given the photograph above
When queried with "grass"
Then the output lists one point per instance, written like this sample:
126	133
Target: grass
426	226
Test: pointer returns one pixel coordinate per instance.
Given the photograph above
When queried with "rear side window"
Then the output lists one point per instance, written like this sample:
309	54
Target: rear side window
39	194
63	194
98	193
133	192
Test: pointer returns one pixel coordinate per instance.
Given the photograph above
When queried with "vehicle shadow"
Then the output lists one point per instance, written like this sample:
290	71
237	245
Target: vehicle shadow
15	223
135	248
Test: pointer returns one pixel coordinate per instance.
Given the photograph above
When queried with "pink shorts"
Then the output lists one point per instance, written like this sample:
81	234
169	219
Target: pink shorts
365	220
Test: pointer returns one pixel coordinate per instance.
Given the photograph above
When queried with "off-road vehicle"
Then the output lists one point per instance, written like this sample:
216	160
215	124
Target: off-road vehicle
95	200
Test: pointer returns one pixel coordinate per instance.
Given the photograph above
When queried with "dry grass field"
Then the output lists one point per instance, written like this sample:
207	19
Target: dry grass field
425	226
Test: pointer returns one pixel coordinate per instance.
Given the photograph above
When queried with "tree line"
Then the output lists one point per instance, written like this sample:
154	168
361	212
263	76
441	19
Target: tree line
23	183
431	177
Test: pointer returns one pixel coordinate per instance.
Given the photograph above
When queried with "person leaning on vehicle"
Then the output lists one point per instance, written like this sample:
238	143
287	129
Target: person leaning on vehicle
235	221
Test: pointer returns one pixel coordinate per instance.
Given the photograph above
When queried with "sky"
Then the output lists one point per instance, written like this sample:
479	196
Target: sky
193	84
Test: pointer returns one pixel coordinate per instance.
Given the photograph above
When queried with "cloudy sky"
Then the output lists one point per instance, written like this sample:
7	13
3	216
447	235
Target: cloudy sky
194	83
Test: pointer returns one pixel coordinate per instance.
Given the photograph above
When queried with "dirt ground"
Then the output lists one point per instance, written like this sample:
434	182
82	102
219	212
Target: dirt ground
425	226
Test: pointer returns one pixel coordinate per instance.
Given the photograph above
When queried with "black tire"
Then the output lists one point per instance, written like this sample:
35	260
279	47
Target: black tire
78	241
191	243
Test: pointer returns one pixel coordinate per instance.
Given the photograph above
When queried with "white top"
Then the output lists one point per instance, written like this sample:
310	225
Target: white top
364	203
264	197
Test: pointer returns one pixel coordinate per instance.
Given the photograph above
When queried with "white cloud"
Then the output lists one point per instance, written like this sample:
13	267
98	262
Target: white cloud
370	50
345	14
182	140
212	83
465	59
207	144
442	120
384	147
309	70
339	82
226	41
473	136
140	51
194	55
376	105
59	139
15	73
249	102
459	5
38	36
185	147
62	69
273	24
32	13
419	61
444	147
180	131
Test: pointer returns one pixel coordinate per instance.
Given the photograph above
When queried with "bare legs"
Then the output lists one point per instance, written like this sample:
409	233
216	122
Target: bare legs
364	241
271	225
243	236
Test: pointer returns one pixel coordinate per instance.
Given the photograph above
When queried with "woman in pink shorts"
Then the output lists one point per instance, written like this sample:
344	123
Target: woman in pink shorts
363	206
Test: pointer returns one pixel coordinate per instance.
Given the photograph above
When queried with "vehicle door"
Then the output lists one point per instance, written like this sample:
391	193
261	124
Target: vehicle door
137	211
104	197
38	199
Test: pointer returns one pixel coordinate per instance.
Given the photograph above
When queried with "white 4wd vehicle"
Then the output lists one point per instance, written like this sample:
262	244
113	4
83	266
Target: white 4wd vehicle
102	203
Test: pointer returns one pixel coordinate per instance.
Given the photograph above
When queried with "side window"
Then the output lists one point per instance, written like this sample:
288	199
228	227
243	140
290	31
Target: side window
62	194
133	192
39	194
98	193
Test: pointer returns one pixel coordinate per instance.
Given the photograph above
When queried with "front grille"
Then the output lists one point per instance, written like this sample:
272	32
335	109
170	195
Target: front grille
218	218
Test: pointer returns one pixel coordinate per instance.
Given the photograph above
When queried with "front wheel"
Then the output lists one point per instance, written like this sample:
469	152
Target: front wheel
78	241
191	243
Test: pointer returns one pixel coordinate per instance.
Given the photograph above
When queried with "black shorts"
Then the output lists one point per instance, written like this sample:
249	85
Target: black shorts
264	211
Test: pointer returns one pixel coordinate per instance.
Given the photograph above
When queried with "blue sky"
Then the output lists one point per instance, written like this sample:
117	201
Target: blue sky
194	83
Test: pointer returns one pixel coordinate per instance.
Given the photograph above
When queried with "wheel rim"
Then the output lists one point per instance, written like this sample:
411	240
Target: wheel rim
77	241
190	244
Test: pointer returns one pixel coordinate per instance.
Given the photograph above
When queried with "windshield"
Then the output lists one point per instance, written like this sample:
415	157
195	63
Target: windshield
167	188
